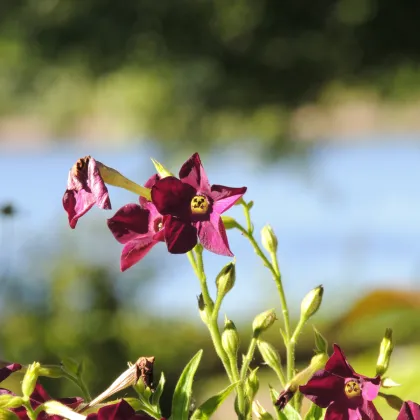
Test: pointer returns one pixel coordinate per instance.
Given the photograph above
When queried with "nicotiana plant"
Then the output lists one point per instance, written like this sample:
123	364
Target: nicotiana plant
186	214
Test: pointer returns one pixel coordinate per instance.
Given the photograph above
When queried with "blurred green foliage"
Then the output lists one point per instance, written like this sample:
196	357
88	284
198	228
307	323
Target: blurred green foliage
198	69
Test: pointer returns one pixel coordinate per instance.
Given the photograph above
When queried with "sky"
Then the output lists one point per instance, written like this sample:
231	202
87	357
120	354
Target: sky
346	215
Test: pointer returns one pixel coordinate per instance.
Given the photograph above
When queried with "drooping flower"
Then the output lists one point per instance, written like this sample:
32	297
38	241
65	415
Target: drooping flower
138	227
39	396
6	371
119	411
85	187
192	207
346	394
409	411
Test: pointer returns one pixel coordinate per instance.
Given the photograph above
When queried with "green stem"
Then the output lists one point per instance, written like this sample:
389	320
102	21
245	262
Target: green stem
248	358
29	410
81	385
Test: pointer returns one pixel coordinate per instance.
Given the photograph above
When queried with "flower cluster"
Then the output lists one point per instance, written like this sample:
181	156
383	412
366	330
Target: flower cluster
180	211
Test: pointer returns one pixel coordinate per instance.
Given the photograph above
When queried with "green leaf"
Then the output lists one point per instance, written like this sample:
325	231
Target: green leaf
289	413
159	389
212	404
182	394
314	413
71	366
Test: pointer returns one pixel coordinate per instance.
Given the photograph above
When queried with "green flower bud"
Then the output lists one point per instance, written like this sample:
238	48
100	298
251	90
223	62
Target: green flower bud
270	356
311	302
321	344
385	351
30	378
51	371
230	339
226	279
10	401
229	222
252	384
161	170
263	321
269	239
202	308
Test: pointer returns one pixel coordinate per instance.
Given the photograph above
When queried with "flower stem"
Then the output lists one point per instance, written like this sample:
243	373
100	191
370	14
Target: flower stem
81	385
29	410
248	358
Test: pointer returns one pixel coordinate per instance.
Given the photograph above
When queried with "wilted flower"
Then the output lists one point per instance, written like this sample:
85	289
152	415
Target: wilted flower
120	411
345	393
8	370
192	207
85	187
409	411
138	227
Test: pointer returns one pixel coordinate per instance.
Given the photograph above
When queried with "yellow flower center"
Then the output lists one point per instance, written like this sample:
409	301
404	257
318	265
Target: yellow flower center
352	389
199	205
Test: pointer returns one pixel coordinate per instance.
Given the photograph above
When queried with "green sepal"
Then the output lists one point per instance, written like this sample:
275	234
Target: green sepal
289	413
7	415
321	344
71	366
183	389
161	170
274	395
159	390
10	401
314	413
212	404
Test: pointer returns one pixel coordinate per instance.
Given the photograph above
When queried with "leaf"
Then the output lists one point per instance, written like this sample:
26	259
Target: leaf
71	366
314	413
159	389
289	413
182	394
212	404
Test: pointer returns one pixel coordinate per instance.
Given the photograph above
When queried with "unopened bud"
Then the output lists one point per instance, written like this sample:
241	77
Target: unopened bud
311	302
202	308
30	378
269	239
385	351
252	384
10	401
263	321
226	279
161	170
270	356
229	222
230	339
321	344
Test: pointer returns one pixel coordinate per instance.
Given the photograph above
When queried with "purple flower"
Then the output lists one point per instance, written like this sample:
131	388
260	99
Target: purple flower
409	411
346	394
139	228
8	370
40	396
85	187
119	411
192	207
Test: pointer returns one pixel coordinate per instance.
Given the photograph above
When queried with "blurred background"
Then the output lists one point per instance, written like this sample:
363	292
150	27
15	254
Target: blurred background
314	106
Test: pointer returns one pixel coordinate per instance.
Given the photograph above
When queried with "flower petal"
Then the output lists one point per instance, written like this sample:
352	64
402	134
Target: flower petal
39	394
97	186
338	365
129	222
369	412
76	204
323	388
192	172
8	370
180	237
212	235
119	411
370	388
149	184
225	197
336	411
136	250
71	402
172	197
409	411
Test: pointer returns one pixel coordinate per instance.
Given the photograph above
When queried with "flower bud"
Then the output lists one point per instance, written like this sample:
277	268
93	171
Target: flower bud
263	321
311	303
202	308
226	279
161	170
321	344
385	351
10	401
30	378
252	384
230	339
270	356
269	239
229	222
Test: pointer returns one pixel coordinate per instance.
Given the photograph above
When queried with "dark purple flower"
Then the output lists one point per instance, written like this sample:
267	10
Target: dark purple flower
8	370
139	228
119	411
346	394
85	187
192	207
409	411
40	396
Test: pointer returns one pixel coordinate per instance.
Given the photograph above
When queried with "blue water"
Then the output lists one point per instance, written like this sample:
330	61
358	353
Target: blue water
346	216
